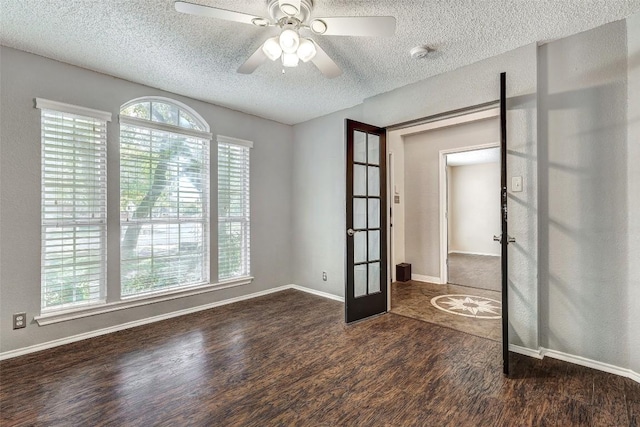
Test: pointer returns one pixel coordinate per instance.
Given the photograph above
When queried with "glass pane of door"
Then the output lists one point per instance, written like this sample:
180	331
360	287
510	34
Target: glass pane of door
373	145
374	245
360	279
359	213
374	278
374	213
374	180
360	247
359	180
360	147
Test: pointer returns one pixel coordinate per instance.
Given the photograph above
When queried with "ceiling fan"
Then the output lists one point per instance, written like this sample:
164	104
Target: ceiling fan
293	16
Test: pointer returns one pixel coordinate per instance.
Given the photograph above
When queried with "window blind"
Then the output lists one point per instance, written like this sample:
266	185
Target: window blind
164	182
74	184
233	209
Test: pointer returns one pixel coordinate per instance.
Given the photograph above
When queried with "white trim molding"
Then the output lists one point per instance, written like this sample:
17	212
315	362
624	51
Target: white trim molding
536	354
45	104
318	293
137	301
472	253
589	363
144	123
443	190
576	360
429	279
234	141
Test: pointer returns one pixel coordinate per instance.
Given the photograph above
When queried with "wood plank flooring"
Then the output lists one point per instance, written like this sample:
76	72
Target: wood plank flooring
288	359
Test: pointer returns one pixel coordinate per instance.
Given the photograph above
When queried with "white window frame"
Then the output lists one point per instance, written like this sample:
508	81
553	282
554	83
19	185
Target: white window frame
136	124
50	173
245	219
115	302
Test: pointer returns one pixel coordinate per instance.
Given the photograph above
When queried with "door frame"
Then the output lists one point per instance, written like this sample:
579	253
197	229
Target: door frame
396	133
443	200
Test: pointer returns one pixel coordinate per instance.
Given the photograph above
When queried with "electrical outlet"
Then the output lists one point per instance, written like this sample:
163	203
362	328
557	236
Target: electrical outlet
324	276
19	320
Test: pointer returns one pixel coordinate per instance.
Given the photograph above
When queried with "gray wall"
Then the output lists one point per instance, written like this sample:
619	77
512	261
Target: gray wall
474	208
319	173
319	195
633	190
582	138
23	77
422	187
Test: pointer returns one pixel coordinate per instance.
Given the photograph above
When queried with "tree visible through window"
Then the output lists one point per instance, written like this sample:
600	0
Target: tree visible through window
164	197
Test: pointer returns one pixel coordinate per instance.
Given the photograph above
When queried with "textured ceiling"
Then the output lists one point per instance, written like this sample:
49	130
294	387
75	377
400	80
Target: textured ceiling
147	41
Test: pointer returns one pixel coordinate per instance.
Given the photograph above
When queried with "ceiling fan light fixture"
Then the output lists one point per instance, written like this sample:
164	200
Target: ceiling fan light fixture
289	41
272	48
307	50
318	26
290	60
289	7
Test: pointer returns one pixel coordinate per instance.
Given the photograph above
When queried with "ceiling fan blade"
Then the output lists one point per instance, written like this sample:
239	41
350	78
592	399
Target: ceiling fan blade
257	59
376	26
214	12
325	64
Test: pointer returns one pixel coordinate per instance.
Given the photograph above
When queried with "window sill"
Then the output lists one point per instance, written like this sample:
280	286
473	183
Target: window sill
137	301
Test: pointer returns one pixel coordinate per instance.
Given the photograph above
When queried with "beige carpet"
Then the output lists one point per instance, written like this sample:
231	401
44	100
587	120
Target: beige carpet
476	271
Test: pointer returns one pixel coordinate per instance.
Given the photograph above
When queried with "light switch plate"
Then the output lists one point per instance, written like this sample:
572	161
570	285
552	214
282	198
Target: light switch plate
516	184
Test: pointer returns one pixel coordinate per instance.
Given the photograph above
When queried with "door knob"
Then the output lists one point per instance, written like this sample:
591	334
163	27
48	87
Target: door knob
350	232
499	239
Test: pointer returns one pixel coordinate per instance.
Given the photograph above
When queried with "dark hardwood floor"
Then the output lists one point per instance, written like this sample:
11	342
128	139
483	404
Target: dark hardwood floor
289	359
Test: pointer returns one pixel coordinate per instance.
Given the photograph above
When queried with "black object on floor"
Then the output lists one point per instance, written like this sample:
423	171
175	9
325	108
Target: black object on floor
403	272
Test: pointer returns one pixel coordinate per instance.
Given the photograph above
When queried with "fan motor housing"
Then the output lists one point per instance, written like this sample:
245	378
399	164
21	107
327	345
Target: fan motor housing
306	6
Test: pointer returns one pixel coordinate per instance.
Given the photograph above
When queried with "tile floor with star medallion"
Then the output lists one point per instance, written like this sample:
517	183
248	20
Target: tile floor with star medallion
465	309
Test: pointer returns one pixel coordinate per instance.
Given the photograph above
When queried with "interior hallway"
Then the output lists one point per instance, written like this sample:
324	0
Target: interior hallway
476	271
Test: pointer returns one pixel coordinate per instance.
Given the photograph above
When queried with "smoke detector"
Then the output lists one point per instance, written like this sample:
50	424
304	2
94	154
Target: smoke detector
420	52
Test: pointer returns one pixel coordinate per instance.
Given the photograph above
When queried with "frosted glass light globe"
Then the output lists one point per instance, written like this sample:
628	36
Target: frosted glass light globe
307	50
289	41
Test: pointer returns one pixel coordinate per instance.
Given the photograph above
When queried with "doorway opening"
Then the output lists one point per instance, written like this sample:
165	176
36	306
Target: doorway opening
445	198
471	216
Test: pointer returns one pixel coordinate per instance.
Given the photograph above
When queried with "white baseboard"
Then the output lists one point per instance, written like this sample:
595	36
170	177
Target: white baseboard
315	292
589	363
576	360
536	354
473	253
79	337
430	279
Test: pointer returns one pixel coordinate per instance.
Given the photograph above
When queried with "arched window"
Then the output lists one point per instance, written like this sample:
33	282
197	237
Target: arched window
165	111
164	196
